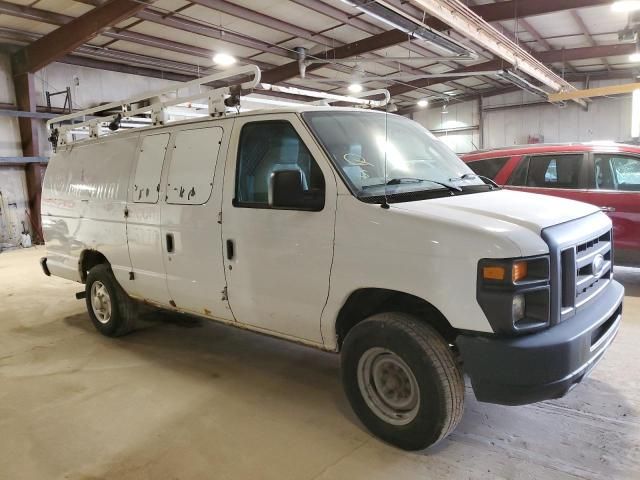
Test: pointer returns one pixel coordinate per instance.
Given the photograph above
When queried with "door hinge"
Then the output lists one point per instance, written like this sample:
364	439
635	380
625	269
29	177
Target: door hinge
224	294
132	276
126	212
220	217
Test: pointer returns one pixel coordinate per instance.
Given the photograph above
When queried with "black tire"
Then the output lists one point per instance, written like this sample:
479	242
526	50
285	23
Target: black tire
431	362
123	309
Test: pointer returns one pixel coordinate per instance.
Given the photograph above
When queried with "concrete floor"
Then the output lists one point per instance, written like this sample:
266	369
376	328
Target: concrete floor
189	399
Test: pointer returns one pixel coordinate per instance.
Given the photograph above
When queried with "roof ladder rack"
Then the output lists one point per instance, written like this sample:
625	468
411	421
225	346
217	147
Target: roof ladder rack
218	100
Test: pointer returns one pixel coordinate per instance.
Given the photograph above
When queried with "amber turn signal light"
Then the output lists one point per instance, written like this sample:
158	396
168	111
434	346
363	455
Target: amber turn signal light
493	273
519	271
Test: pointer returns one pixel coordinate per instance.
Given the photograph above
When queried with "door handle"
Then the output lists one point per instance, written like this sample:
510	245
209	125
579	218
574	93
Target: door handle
607	209
170	245
230	249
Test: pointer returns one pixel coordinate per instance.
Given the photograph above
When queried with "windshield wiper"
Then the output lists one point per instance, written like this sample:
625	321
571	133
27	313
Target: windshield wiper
467	176
399	181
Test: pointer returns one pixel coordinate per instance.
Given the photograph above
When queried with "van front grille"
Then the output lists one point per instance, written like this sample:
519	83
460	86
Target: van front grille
581	254
586	269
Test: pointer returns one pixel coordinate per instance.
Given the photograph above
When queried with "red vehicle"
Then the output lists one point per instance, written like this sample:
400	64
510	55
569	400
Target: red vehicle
604	174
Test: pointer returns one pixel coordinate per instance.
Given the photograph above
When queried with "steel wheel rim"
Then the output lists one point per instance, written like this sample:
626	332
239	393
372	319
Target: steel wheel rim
388	386
100	302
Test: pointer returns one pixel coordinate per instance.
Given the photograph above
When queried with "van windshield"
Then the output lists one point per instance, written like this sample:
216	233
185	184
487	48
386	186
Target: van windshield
379	154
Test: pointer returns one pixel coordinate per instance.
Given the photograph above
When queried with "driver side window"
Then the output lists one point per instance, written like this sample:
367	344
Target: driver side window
268	147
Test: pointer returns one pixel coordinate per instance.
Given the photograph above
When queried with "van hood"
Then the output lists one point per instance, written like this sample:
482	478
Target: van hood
529	210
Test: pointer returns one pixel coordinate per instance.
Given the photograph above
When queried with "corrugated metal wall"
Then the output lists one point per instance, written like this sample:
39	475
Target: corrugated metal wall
608	118
458	116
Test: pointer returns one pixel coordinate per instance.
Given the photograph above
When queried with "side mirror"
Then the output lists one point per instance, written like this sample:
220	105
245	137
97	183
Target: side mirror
286	190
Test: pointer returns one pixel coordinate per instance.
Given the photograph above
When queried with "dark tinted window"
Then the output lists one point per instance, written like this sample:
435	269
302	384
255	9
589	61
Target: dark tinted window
617	172
549	171
266	147
489	167
519	175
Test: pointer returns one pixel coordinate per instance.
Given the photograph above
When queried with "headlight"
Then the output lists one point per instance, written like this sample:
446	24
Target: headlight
518	308
514	293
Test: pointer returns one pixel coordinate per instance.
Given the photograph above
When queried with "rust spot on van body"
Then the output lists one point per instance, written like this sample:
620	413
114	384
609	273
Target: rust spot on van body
207	311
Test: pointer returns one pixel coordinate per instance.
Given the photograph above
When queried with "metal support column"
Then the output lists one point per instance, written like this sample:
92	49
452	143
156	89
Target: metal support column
26	100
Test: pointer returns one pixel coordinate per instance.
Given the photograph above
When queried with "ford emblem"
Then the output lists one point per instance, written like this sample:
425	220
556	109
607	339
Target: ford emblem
597	264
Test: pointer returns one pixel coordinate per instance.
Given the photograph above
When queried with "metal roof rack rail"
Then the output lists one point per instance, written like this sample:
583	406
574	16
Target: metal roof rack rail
218	101
358	99
128	112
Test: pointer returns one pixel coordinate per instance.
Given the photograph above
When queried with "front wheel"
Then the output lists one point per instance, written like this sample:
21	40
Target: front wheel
111	310
402	381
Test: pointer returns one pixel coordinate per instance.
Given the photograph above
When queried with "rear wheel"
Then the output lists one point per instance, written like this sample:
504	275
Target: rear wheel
111	310
402	381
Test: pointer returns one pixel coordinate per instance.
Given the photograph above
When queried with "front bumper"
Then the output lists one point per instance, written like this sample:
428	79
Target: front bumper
540	366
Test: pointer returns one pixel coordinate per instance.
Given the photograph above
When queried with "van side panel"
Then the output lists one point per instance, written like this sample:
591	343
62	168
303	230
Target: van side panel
432	248
83	202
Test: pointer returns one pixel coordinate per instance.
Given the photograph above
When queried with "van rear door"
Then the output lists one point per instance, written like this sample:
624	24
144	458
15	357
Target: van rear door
191	230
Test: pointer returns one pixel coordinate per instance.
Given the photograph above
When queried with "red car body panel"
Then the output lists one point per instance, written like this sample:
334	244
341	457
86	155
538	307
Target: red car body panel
622	206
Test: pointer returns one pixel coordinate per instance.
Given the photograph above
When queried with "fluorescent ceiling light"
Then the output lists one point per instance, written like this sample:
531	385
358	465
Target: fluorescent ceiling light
634	57
355	88
522	83
395	17
223	59
626	6
423	102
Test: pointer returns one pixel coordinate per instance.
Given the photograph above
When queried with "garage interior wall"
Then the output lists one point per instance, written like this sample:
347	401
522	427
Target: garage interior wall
13	184
89	87
607	119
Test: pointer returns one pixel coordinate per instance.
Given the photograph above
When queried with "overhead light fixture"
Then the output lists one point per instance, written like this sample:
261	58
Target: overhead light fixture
625	6
223	59
395	17
423	102
355	88
634	57
522	83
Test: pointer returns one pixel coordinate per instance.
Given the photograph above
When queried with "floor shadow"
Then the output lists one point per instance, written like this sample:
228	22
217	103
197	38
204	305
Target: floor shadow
201	347
309	377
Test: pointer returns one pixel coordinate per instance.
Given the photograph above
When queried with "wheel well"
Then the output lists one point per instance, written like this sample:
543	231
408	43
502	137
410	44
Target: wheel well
365	302
88	260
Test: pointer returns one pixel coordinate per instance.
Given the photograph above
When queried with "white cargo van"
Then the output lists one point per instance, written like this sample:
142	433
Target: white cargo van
348	230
